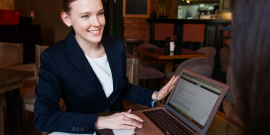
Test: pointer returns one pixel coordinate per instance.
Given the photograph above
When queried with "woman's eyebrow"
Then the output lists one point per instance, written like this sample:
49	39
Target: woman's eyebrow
85	13
101	10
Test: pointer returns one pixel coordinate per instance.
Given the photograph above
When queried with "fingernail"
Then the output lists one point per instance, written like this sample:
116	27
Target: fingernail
134	127
141	120
141	124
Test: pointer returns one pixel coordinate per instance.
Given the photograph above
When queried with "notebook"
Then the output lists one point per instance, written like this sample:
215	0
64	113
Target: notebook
114	132
189	109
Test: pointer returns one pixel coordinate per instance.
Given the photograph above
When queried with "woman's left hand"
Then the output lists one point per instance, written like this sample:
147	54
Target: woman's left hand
165	90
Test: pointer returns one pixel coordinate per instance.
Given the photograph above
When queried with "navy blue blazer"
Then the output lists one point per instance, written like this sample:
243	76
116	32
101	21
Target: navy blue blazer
65	72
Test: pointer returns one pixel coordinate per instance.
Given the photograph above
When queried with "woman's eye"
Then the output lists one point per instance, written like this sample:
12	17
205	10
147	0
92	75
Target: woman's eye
100	14
85	16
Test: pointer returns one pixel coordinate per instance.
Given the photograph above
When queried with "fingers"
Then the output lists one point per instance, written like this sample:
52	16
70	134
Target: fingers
132	123
124	120
132	116
172	84
129	111
167	89
173	80
169	83
127	127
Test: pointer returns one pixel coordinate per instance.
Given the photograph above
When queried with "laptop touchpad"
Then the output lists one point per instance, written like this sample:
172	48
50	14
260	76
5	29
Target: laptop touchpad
147	126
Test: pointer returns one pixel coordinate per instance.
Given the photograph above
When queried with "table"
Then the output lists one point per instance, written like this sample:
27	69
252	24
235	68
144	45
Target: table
10	82
221	125
179	53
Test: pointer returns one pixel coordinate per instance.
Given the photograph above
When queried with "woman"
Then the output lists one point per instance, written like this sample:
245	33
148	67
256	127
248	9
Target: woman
89	72
251	64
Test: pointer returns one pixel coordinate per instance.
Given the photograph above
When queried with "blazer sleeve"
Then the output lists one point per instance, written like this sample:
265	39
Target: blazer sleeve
48	116
132	92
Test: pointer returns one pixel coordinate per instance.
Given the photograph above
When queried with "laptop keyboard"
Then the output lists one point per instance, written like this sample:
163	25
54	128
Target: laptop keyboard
166	123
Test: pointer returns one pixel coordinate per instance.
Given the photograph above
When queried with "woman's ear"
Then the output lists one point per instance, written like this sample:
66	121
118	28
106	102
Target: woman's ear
66	19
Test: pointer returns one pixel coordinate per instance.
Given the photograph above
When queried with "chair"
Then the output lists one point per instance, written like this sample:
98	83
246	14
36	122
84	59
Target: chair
133	70
11	54
147	72
133	77
211	51
225	32
146	61
194	33
162	30
203	66
27	92
30	98
225	57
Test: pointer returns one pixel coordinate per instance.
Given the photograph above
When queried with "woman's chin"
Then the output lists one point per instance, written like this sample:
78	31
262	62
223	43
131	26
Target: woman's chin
95	39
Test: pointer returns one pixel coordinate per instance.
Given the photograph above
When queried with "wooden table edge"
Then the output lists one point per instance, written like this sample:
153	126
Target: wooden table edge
238	125
166	57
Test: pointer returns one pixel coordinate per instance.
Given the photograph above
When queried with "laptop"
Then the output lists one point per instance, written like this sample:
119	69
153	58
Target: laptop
189	109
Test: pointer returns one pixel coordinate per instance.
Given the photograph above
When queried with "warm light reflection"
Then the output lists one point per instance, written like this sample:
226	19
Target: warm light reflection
188	1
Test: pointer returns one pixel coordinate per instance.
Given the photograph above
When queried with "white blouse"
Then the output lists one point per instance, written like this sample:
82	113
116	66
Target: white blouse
103	72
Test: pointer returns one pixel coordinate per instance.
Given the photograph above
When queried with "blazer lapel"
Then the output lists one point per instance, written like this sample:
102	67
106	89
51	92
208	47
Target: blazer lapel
80	62
113	59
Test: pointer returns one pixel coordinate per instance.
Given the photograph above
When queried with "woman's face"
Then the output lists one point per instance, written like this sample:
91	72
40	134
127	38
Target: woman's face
88	20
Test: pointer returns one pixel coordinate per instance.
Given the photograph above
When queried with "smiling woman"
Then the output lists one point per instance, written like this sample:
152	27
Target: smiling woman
87	70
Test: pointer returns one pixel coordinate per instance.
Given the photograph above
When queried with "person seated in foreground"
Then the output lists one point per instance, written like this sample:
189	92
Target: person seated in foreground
251	64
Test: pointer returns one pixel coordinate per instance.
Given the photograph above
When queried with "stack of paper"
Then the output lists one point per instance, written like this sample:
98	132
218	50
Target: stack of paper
115	132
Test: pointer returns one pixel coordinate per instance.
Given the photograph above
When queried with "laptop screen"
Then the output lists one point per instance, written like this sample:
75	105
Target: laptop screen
194	98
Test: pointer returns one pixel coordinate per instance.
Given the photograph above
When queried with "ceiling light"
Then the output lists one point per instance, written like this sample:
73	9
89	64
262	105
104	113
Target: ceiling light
188	1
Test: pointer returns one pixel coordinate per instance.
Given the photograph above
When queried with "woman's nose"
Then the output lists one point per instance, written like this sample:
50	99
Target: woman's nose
95	21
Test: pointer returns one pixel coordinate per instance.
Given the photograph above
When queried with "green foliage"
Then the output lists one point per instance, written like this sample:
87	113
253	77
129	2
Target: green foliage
162	6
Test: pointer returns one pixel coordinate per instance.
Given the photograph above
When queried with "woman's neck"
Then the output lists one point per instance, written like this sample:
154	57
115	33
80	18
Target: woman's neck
93	50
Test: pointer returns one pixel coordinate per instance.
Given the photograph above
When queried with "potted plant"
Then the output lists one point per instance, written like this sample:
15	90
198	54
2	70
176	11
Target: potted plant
162	6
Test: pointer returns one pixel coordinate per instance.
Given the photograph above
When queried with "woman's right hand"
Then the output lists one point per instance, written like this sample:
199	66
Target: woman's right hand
123	120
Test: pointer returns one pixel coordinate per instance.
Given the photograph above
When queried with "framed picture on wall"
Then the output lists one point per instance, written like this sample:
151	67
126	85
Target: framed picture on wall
136	8
7	4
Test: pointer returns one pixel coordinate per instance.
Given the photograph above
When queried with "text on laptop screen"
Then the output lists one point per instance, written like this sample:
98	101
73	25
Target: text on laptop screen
194	98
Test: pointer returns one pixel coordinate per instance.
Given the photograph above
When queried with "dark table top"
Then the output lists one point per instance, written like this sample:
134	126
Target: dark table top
133	41
221	125
8	76
193	21
179	53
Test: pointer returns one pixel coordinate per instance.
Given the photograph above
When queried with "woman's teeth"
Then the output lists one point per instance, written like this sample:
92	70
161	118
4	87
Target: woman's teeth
94	31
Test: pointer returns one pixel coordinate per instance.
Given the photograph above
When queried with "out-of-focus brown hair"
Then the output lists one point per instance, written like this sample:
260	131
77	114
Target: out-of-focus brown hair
66	5
251	63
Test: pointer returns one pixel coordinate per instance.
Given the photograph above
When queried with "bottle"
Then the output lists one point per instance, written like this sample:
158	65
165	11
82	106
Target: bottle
167	45
154	15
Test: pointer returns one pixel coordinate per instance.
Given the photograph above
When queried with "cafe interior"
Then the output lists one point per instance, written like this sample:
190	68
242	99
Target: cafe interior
161	39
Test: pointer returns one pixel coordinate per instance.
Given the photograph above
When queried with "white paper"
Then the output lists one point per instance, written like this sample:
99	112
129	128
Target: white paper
115	132
123	132
62	133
